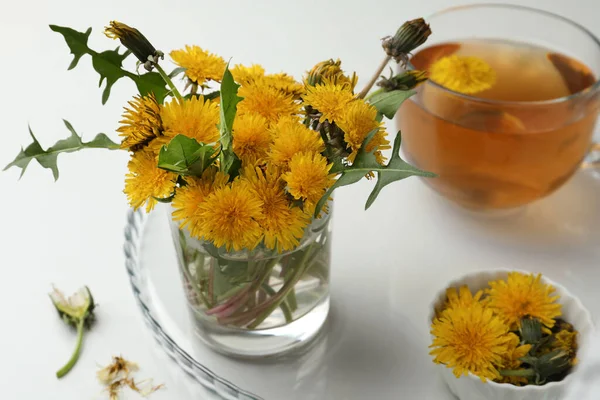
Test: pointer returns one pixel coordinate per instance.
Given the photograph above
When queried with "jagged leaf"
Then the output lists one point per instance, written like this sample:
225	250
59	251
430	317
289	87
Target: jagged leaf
229	101
150	82
47	158
365	163
230	163
348	174
109	65
388	103
185	156
77	42
395	170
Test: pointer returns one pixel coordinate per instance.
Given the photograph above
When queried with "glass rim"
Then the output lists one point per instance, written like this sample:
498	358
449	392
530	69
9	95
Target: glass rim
594	87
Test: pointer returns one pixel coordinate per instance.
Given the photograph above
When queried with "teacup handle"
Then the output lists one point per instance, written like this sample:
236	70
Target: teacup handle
594	157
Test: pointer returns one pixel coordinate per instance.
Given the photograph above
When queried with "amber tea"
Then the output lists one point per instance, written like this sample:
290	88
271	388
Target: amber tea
510	143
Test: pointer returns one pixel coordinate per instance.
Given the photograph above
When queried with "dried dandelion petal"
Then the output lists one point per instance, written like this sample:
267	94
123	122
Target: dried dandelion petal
117	376
120	368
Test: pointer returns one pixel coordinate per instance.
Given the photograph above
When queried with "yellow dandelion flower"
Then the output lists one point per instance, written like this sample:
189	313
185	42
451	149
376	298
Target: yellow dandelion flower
246	75
189	197
511	360
523	296
357	120
145	181
308	177
329	99
290	137
468	75
283	224
199	65
157	143
251	137
267	101
229	217
195	118
461	297
566	340
255	74
141	123
471	340
331	71
284	83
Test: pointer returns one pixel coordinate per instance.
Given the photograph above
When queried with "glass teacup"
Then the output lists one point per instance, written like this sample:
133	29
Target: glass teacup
499	154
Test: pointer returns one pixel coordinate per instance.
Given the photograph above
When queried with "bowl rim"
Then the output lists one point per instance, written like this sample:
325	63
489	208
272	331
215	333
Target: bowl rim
564	293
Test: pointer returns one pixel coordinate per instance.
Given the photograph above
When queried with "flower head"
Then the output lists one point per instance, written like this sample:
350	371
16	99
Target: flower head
195	118
511	360
468	75
566	340
229	217
190	196
330	71
284	83
290	137
461	297
157	143
77	307
268	101
308	177
283	224
145	182
329	99
251	137
521	296
199	65
134	41
141	123
77	311
357	120
408	37
247	75
470	339
255	75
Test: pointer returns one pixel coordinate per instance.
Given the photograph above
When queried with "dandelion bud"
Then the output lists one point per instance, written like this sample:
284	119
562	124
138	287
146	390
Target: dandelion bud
331	71
405	81
134	41
409	36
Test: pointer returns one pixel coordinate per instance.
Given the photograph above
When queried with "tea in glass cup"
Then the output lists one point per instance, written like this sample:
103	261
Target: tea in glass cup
506	118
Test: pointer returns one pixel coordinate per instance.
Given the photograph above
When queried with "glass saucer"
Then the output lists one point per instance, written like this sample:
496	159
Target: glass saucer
388	263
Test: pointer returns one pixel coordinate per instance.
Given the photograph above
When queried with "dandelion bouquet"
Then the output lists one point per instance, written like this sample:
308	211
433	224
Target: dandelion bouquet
510	332
248	161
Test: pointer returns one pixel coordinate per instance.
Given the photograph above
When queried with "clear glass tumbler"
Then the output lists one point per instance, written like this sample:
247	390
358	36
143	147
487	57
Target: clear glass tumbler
256	303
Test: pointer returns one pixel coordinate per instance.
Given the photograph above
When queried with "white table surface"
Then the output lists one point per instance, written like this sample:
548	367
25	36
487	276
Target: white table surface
70	232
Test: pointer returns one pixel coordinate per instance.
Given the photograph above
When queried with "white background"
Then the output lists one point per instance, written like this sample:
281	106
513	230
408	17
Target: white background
70	232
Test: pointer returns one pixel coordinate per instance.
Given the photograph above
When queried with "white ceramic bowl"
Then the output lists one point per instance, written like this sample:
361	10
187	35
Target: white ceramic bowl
471	388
